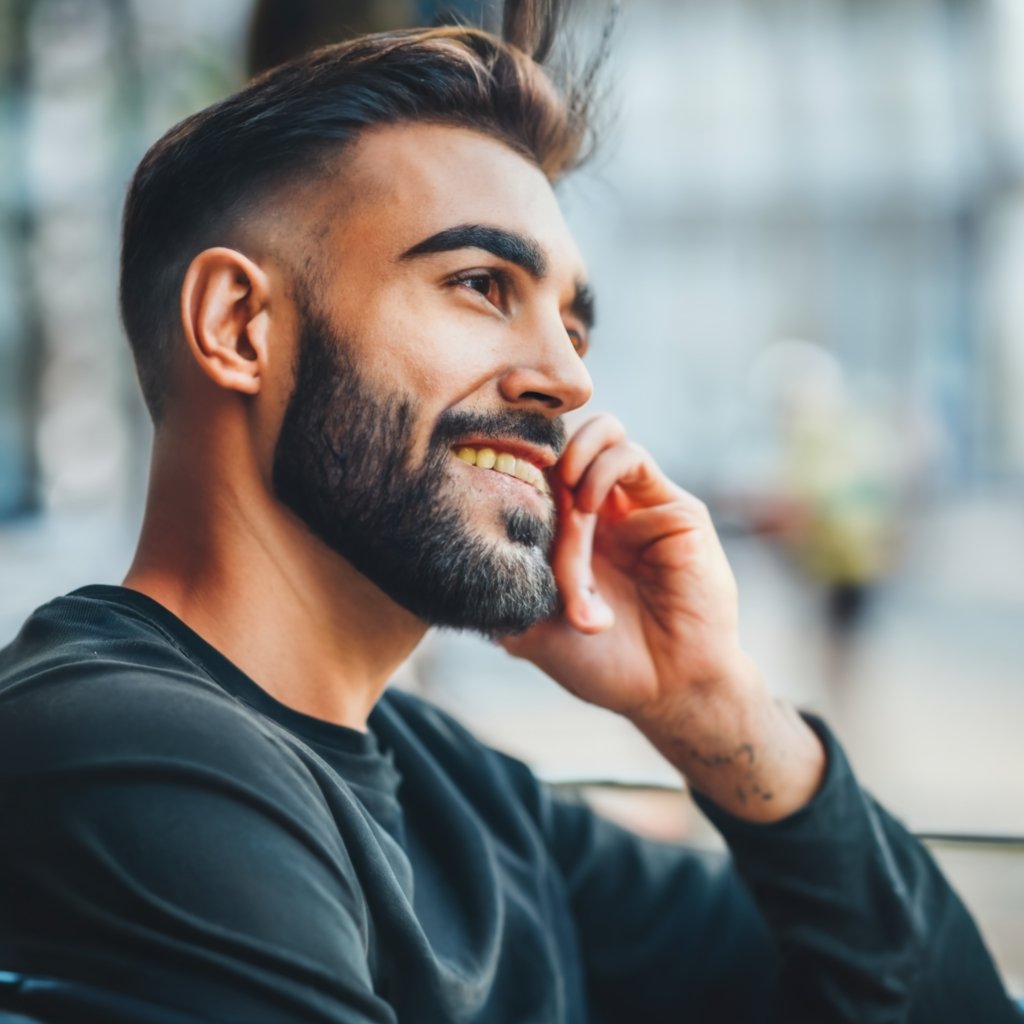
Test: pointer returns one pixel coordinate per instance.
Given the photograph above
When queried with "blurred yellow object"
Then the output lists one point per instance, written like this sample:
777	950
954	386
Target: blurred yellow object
840	468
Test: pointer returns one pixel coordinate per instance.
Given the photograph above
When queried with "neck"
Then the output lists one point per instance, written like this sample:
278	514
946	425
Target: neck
250	579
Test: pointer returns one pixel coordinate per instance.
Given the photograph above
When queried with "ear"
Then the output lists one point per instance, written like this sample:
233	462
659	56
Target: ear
224	311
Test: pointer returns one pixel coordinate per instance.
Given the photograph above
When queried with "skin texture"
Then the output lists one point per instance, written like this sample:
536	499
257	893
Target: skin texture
648	627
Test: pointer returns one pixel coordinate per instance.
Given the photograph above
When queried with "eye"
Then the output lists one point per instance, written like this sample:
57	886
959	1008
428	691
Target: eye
491	285
579	342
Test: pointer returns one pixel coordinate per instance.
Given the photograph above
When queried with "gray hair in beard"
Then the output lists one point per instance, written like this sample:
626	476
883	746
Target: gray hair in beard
342	464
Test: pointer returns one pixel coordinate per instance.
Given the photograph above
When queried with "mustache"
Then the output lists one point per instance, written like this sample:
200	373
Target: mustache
531	427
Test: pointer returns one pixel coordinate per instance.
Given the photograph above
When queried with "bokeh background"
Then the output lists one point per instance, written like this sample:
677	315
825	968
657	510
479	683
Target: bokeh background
806	230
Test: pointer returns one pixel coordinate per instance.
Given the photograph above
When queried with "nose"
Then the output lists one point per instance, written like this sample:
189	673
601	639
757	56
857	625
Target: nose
549	374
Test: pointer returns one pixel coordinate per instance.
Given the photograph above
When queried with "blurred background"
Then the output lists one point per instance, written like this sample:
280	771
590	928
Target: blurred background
806	228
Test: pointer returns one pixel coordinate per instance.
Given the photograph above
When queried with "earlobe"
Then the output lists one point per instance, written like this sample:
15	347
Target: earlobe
224	300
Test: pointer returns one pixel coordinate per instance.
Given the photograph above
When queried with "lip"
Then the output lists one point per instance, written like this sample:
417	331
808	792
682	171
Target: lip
507	483
542	458
508	486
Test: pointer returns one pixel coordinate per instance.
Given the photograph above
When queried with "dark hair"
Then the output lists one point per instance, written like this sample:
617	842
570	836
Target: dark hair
192	185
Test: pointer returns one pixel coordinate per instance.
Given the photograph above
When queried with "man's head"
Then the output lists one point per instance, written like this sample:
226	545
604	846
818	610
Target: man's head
362	250
288	130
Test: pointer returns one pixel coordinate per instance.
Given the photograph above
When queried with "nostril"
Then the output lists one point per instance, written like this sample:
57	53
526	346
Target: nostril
538	396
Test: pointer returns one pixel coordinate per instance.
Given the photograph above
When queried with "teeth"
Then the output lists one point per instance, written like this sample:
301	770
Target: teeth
504	462
526	471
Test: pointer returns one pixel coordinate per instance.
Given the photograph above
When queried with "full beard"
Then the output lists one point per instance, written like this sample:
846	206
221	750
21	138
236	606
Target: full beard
342	464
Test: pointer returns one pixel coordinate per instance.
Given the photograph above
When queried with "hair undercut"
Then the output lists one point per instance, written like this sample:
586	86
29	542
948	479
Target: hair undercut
194	185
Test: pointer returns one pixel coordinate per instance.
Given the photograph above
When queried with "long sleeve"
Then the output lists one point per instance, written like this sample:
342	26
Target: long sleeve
158	846
667	934
868	928
833	915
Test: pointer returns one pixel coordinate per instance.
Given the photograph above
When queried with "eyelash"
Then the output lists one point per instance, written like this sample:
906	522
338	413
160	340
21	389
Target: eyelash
492	277
504	284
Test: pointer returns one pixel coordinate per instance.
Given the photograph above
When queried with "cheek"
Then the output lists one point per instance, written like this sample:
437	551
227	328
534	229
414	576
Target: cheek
422	341
437	361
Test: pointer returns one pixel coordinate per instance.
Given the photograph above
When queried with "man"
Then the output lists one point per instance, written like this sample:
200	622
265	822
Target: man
358	319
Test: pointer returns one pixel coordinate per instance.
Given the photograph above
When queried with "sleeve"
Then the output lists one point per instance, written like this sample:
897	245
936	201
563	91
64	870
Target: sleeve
667	933
833	915
158	844
867	927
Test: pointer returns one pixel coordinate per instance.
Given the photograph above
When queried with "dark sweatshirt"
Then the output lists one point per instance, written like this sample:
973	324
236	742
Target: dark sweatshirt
176	845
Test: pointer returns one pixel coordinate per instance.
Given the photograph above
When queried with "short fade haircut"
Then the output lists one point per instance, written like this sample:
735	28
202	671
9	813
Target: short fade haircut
194	184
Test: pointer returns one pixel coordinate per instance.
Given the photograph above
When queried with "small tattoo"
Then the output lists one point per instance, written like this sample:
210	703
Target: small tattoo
744	757
744	750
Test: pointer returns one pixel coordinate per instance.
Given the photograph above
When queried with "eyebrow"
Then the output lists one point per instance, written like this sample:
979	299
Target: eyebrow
582	305
519	249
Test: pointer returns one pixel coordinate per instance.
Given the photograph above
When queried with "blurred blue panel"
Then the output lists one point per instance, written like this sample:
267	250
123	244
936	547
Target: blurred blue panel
17	490
469	10
16	477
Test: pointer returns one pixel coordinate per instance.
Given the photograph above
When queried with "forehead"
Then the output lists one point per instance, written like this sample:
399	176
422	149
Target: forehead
402	183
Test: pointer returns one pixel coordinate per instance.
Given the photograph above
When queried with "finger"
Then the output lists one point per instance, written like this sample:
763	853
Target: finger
643	529
593	437
631	469
540	643
571	563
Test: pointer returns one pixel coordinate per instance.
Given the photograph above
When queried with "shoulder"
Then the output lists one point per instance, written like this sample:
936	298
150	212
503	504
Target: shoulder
114	743
90	687
169	823
79	629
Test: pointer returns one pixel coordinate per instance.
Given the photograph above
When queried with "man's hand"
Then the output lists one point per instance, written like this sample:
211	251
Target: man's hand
649	629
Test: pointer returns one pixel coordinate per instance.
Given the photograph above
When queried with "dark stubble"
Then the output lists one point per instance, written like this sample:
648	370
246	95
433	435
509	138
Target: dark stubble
343	465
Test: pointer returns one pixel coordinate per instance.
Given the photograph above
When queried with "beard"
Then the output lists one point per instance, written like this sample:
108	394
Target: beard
343	464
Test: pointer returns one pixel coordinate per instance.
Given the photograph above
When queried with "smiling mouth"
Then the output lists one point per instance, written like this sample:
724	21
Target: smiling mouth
504	462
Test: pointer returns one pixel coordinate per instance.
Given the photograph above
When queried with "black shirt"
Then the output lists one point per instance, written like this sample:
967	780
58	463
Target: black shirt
174	837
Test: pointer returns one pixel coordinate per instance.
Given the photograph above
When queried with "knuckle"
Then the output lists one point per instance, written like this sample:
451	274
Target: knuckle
699	508
609	425
693	506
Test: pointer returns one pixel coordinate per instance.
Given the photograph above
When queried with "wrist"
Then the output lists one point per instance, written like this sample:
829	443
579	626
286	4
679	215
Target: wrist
707	703
749	753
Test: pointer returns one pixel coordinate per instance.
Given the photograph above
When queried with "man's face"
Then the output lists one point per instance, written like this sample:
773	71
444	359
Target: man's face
450	321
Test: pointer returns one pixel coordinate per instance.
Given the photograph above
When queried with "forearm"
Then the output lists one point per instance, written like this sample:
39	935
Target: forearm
750	754
868	928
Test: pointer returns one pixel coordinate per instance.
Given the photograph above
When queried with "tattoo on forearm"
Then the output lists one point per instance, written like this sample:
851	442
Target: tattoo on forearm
743	756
